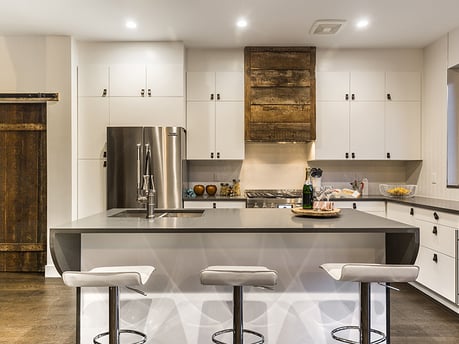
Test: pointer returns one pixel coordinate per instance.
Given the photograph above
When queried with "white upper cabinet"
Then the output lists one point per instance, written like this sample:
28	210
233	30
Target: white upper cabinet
138	80
93	80
368	115
403	86
215	115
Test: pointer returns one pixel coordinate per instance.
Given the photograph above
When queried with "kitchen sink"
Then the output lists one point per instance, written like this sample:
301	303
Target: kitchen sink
142	213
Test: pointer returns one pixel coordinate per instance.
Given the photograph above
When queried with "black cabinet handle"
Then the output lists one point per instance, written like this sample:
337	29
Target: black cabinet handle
389	96
214	205
353	96
104	92
435	230
142	92
388	155
212	155
346	155
346	97
149	92
354	205
353	155
218	155
105	163
435	258
218	96
211	96
105	154
436	217
411	211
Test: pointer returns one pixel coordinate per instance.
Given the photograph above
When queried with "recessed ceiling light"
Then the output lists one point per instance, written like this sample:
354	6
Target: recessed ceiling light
241	23
130	24
362	23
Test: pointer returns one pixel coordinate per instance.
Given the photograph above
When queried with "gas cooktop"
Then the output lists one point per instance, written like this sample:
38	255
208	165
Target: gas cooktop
273	193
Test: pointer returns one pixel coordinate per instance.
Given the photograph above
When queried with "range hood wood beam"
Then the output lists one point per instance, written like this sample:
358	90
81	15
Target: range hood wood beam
37	97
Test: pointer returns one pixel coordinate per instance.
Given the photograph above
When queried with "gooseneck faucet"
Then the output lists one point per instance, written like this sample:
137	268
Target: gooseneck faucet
146	192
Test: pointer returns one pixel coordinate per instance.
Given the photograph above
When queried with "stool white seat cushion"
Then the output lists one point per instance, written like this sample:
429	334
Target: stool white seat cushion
110	276
368	273
257	276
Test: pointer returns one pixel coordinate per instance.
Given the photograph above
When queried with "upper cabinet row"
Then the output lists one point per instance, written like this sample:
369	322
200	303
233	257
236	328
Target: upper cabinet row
131	80
368	115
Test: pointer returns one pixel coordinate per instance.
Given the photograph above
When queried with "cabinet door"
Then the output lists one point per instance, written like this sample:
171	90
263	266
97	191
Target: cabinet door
150	111
367	130
332	86
127	80
91	187
229	86
200	86
332	127
229	132
403	86
93	118
403	130
200	130
92	80
368	86
165	80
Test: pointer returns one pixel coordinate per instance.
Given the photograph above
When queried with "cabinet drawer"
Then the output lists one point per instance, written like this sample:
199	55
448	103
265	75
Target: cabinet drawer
433	216
437	272
401	213
368	206
438	237
214	204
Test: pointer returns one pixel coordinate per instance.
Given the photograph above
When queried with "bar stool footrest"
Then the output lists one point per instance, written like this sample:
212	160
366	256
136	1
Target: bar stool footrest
142	340
230	330
344	340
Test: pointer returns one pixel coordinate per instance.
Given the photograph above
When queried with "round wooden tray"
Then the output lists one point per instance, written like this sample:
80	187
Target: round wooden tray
316	213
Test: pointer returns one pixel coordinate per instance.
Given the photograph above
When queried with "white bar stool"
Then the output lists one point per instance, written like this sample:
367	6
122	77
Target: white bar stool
112	277
366	274
237	277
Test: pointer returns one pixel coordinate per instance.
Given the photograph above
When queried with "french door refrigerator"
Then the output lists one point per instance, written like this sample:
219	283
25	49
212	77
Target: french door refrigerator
126	155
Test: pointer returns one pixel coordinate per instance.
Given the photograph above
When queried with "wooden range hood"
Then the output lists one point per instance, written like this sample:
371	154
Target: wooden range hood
280	94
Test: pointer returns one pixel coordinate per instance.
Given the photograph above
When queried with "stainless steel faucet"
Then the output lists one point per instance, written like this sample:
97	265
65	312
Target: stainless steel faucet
146	192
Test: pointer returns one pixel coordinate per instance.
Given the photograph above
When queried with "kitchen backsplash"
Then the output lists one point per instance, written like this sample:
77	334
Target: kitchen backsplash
282	166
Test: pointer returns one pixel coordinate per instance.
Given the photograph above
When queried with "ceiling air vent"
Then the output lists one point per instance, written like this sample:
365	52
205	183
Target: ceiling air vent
326	27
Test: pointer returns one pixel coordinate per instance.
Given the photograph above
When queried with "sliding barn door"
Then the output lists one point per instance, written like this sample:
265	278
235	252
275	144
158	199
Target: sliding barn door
22	187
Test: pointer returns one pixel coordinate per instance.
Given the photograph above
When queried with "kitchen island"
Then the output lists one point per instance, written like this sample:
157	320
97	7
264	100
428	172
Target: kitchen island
305	305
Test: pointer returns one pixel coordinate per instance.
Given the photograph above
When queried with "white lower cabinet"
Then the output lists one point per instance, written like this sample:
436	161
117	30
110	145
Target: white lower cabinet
437	272
213	204
371	207
437	257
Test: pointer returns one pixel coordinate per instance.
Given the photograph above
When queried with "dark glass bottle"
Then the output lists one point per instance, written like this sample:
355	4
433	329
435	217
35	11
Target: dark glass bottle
308	192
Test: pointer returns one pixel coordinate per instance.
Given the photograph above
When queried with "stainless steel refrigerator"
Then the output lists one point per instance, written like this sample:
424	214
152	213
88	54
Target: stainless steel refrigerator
126	155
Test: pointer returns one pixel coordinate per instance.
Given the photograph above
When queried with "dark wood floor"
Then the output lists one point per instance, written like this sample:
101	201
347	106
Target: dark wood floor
42	311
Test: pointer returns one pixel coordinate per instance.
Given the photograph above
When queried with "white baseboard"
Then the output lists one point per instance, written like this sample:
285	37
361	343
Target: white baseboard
51	272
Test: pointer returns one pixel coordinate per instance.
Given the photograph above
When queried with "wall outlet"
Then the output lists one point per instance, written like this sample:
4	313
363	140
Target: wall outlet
434	178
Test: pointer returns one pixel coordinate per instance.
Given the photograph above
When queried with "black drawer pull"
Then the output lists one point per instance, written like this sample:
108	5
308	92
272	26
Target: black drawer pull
346	97
436	217
412	211
211	96
353	155
104	93
435	230
212	155
353	96
347	155
435	258
389	97
214	205
354	205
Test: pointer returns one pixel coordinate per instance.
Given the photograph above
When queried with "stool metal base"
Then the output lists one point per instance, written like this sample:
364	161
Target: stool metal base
381	339
230	330
143	337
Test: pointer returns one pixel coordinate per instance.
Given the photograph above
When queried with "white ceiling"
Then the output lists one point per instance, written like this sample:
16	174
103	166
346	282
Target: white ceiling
211	23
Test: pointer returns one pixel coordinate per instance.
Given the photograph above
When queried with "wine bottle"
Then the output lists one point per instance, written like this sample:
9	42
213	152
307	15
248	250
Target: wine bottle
308	191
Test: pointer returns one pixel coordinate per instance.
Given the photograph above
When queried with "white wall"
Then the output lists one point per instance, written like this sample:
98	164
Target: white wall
437	57
43	64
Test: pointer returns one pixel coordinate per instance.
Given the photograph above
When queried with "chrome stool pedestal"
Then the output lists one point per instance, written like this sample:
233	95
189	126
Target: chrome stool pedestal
237	277
366	274
113	278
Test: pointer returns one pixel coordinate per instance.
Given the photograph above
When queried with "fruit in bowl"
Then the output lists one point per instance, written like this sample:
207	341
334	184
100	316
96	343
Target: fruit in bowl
392	190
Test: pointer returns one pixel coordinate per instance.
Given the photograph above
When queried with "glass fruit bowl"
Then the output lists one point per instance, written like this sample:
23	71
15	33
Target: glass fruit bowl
397	190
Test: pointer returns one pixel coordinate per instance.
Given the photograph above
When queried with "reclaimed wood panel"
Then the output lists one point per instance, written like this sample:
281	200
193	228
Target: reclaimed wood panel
280	94
23	187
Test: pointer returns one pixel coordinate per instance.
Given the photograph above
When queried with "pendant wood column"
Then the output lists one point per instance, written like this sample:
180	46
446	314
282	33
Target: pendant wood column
23	198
